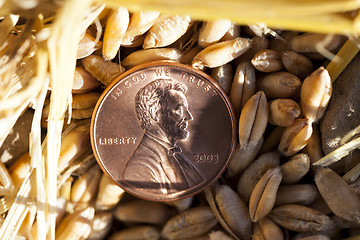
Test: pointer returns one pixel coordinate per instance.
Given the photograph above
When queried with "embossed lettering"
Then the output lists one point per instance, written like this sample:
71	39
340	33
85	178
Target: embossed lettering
116	93
102	141
117	140
199	83
135	79
160	72
142	76
127	84
191	79
207	88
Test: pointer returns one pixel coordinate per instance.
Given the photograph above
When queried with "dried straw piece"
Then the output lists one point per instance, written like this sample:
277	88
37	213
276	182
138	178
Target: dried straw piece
338	153
19	209
62	46
7	24
313	16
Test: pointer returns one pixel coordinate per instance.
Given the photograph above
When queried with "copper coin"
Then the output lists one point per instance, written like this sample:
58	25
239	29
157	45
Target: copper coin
163	131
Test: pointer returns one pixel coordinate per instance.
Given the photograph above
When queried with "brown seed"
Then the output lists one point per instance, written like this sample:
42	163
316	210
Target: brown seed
65	190
272	140
82	113
243	86
140	22
101	225
259	29
314	149
141	211
189	55
266	229
315	94
85	187
315	42
297	64
257	44
19	170
299	218
253	120
219	235
76	225
282	44
109	194
298	193
295	168
136	42
181	204
279	85
295	137
87	46
147	55
86	100
73	144
166	31
242	157
212	31
267	60
252	124
282	112
137	233
191	223
254	172
320	205
342	223
83	81
263	196
234	211
338	195
116	25
221	53
224	76
232	33
104	71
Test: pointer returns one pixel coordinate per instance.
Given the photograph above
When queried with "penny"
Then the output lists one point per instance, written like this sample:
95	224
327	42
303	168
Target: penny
163	131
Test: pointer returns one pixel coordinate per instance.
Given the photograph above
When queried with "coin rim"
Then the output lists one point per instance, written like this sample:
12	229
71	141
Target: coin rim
179	65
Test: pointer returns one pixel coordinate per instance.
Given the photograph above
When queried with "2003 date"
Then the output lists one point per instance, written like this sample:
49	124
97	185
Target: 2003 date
206	158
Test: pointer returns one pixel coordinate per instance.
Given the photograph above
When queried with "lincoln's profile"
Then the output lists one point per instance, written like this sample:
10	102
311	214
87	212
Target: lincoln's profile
157	163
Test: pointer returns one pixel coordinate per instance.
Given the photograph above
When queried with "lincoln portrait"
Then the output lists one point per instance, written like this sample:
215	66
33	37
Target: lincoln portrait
158	163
